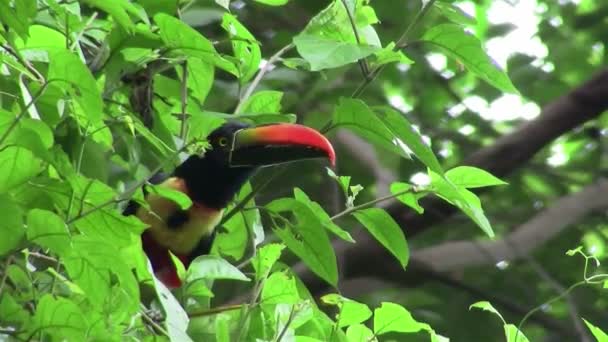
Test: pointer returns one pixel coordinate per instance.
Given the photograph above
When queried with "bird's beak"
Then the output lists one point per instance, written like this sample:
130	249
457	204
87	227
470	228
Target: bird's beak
278	143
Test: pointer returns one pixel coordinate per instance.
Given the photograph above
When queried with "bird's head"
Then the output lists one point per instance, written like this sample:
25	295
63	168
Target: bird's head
237	145
237	149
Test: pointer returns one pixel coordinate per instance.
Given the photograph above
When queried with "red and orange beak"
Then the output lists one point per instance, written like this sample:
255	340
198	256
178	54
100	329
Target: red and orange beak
278	143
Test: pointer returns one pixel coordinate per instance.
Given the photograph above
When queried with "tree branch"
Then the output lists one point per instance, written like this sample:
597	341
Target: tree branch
507	154
457	255
513	150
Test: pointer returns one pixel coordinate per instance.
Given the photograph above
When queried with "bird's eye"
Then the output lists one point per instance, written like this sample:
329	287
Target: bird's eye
223	141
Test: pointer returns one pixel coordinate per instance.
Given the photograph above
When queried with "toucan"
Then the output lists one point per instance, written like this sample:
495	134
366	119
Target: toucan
211	180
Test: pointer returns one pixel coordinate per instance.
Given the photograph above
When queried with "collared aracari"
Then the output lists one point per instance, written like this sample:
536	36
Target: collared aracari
211	181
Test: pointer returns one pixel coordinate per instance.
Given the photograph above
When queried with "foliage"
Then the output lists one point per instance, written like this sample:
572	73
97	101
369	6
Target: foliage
96	97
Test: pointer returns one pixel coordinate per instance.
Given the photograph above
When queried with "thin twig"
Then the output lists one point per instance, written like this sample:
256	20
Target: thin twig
362	62
23	112
42	256
251	239
151	321
213	311
292	315
572	309
124	196
399	45
5	275
81	33
593	280
78	168
371	203
258	78
24	62
549	302
256	292
184	101
250	196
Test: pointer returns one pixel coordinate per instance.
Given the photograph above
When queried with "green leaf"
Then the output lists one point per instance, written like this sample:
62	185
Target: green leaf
291	316
598	333
514	335
18	17
334	23
300	338
262	119
61	318
263	102
463	199
354	190
11	224
240	229
67	67
265	258
486	306
222	328
179	266
33	134
384	229
176	319
280	288
224	3
360	333
111	226
155	6
200	78
296	63
183	200
407	196
273	2
391	317
42	38
213	267
255	119
186	41
405	132
466	48
18	276
11	311
472	177
351	312
17	166
151	138
572	252
323	53
323	217
48	230
358	117
307	238
385	128
388	54
453	13
343	181
202	125
322	327
91	264
119	10
246	48
198	289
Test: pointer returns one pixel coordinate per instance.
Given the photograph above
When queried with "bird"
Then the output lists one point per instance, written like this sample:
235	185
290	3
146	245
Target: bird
211	180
